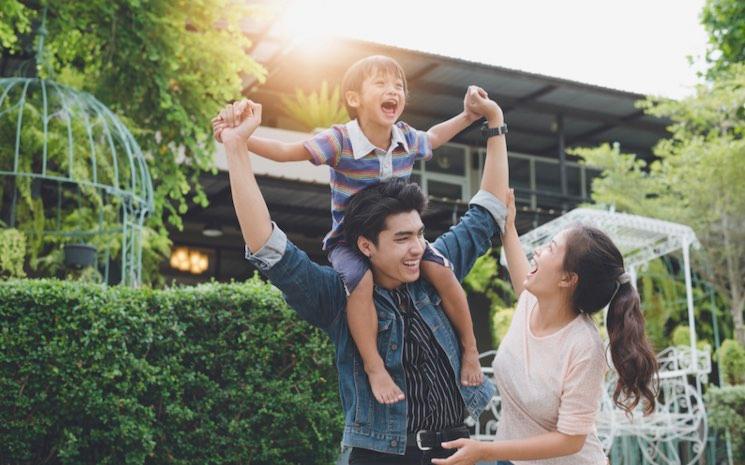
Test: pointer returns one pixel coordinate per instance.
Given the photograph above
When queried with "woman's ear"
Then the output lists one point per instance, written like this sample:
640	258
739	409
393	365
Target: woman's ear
568	280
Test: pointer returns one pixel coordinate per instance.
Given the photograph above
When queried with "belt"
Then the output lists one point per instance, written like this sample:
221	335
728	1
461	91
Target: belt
431	439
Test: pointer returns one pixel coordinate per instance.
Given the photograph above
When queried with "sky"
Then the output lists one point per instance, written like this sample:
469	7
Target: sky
632	45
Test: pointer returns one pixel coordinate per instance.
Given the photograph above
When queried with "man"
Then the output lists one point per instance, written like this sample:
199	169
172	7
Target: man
415	338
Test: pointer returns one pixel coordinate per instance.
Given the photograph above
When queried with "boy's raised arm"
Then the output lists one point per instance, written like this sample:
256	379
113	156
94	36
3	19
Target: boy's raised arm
276	150
261	146
441	133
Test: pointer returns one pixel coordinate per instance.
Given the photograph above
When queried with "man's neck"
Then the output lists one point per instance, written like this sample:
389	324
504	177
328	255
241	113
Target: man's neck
386	282
379	136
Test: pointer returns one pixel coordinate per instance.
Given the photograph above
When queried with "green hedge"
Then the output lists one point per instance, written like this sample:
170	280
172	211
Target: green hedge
215	374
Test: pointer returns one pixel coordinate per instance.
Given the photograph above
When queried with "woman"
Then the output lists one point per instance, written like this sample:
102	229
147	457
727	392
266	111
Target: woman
551	364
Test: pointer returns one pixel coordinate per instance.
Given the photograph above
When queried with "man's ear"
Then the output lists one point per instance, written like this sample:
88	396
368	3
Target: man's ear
352	98
568	280
366	246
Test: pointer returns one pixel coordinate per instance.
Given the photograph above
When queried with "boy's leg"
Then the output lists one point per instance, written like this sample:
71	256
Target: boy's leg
363	325
455	304
362	319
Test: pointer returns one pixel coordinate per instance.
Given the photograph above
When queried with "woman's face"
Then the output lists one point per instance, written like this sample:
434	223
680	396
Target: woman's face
547	274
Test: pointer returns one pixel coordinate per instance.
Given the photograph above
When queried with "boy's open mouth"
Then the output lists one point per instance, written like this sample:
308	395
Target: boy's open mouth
389	107
533	267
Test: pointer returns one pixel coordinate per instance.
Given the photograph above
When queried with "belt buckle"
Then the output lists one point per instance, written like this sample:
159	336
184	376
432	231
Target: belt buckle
419	440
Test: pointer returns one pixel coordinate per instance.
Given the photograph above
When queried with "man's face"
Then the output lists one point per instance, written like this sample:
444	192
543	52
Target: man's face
396	258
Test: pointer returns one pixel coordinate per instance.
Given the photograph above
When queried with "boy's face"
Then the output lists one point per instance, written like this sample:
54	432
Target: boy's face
381	100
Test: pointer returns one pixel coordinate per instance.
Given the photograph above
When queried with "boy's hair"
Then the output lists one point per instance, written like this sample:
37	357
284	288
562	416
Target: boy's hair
365	68
369	208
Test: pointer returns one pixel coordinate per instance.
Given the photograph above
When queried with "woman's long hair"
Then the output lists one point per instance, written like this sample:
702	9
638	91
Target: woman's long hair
598	264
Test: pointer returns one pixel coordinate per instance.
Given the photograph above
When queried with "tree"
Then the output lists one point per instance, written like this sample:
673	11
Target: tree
698	179
723	21
165	66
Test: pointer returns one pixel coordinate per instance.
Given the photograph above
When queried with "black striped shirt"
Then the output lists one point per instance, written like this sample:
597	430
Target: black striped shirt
432	394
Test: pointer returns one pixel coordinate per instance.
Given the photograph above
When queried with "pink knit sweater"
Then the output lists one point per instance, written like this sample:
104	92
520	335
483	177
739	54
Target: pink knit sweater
551	383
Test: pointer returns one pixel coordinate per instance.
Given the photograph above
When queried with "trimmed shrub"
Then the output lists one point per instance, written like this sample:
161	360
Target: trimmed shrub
731	358
726	408
13	246
214	374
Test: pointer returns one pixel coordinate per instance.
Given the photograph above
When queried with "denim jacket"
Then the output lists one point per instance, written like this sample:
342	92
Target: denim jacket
317	294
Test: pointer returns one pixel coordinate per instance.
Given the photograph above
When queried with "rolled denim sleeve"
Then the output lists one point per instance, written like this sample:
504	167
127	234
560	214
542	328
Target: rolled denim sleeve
472	236
493	205
315	292
271	252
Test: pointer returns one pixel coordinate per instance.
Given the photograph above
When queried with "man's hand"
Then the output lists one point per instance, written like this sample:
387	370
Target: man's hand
237	121
472	113
477	101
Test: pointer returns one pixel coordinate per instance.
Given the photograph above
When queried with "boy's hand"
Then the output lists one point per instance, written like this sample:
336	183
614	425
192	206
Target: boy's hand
478	102
236	121
511	210
472	113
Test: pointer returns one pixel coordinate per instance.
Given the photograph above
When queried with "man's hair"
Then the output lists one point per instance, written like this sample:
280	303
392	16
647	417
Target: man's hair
368	209
365	68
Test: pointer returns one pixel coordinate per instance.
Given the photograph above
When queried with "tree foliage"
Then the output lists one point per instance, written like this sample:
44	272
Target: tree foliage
165	66
726	411
723	21
697	179
731	358
484	279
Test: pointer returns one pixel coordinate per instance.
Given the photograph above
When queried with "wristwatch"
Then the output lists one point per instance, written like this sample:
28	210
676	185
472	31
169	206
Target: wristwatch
487	132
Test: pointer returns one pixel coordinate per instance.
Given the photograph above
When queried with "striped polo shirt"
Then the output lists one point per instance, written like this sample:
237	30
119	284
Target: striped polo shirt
355	163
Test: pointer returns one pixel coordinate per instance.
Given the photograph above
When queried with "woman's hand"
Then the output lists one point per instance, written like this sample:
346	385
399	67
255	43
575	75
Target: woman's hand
469	452
511	210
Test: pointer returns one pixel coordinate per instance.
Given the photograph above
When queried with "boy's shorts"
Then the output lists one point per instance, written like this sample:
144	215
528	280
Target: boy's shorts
352	265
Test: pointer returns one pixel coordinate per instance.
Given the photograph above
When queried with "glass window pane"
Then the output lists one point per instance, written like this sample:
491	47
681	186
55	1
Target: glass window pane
519	172
547	177
448	159
573	181
444	189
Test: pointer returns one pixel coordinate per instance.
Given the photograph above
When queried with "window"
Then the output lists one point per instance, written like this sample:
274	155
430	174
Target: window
445	189
448	159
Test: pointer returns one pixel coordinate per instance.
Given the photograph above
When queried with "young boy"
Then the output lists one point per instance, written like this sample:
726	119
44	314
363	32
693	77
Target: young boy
371	148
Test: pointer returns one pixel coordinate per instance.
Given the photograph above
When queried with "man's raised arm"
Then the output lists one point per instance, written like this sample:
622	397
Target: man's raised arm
495	179
250	207
314	292
470	238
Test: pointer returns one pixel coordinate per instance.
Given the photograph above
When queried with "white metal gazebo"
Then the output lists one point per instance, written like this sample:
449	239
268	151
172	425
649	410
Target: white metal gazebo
679	417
